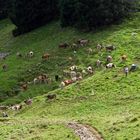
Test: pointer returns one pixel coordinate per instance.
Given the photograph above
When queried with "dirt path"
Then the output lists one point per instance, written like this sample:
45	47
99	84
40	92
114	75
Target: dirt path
85	132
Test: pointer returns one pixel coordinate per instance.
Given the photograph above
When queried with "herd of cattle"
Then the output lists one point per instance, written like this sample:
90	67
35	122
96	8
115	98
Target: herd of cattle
14	107
74	73
18	107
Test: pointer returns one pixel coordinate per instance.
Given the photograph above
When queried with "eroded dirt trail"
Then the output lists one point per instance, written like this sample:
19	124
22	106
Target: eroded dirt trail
85	132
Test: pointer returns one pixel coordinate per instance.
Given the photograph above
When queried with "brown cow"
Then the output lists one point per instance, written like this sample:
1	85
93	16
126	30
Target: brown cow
24	87
68	82
43	78
28	102
51	96
46	56
64	45
109	59
83	42
124	58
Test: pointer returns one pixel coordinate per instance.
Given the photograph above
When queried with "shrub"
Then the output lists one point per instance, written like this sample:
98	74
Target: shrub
30	14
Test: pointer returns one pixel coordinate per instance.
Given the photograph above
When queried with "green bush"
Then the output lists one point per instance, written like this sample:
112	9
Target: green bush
28	15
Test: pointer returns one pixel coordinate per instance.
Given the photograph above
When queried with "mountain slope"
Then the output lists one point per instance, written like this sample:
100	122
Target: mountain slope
107	100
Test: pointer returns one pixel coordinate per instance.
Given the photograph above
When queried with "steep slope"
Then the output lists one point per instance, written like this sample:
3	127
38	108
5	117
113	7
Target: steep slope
108	100
112	108
47	39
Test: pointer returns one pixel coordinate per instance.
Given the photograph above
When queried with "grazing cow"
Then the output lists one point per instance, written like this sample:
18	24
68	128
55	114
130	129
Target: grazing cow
126	71
4	67
110	65
84	72
74	46
16	107
62	85
28	102
43	78
58	77
66	73
90	70
35	81
83	42
73	68
46	56
98	63
90	50
24	87
40	79
51	96
29	83
133	67
110	48
99	47
79	76
109	59
73	74
68	82
124	58
4	115
19	54
74	79
64	45
31	54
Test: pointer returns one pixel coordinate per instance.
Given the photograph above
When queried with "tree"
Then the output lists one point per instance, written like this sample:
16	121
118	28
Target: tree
68	12
30	14
4	4
93	13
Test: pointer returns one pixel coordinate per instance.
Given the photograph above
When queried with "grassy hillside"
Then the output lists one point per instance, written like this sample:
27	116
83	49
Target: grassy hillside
47	39
108	100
